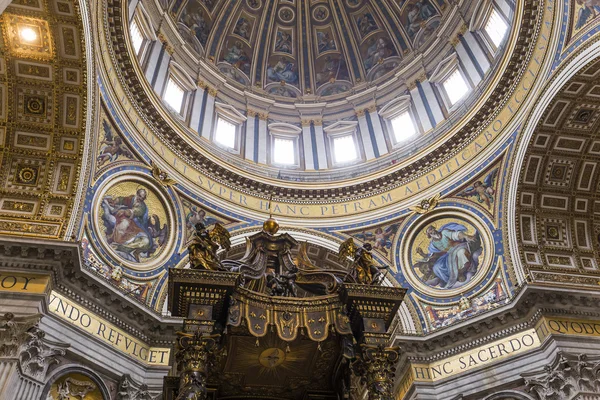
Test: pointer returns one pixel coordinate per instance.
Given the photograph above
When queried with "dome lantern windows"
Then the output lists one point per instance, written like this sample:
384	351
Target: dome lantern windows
225	134
451	82
400	121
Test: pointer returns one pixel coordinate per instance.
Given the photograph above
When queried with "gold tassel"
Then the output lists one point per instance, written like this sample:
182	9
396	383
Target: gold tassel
287	348
257	343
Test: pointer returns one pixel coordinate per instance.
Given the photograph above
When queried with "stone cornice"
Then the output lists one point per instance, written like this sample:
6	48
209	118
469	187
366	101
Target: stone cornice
61	260
523	312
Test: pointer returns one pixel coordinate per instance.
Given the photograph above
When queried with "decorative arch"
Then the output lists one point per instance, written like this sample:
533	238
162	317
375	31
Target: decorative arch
76	371
509	395
570	68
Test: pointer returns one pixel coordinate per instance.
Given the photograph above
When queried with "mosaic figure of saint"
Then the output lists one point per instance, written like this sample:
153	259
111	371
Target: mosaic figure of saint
283	43
452	257
242	28
366	24
130	231
283	71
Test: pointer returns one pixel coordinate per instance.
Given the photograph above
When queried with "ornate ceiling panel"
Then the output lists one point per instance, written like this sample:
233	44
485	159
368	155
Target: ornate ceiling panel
43	103
558	197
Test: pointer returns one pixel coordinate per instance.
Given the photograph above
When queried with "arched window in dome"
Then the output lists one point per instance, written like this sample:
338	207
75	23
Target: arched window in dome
228	127
285	149
490	21
400	120
451	82
343	143
177	89
136	36
141	33
174	94
496	28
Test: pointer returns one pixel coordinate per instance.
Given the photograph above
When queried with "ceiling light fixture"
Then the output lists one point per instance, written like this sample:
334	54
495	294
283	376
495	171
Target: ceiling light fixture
28	34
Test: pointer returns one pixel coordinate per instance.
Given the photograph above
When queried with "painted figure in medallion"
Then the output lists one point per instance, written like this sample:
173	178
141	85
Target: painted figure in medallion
378	50
380	236
452	257
325	42
236	55
417	14
130	230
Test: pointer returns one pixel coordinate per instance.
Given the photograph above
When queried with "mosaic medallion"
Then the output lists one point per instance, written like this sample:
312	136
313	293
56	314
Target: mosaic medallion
446	253
133	222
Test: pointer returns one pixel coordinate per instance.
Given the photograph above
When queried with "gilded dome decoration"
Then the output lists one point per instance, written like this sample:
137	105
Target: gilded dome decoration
291	49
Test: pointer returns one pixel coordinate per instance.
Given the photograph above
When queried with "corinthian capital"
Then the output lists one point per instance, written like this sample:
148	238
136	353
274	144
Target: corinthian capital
196	353
377	368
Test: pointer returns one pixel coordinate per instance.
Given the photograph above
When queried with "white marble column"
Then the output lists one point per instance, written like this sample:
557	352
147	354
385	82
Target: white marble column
468	62
307	146
156	50
378	131
427	122
251	126
263	137
160	76
431	101
480	55
196	113
320	144
209	113
132	6
365	135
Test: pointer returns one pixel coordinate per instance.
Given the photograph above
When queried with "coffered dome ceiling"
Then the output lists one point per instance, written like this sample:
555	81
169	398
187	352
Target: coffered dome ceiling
295	48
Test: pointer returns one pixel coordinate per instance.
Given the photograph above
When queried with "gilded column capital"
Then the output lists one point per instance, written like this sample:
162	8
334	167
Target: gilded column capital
212	91
196	353
377	368
360	113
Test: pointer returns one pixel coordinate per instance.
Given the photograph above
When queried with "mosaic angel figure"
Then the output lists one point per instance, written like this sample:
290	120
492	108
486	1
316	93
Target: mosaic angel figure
483	191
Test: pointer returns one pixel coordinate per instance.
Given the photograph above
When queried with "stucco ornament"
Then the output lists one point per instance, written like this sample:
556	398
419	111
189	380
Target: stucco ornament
570	377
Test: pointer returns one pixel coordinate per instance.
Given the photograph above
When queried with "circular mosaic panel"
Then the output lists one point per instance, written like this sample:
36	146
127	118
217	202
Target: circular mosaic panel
446	253
133	222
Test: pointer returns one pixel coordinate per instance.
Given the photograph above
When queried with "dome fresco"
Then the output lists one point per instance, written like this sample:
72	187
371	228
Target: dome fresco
295	48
